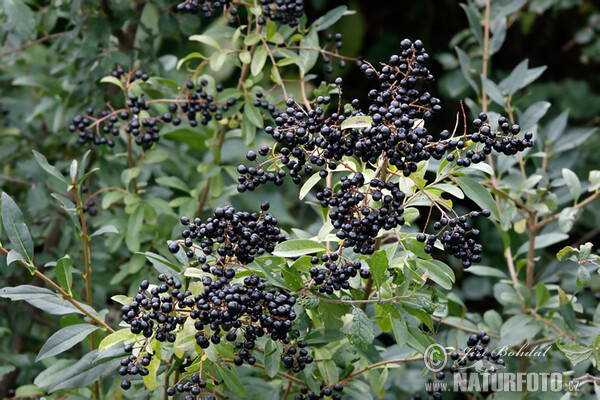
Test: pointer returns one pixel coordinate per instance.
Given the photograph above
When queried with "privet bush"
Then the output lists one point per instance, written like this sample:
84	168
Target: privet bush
179	273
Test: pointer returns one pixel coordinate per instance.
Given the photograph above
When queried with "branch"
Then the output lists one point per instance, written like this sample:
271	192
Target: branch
66	296
33	43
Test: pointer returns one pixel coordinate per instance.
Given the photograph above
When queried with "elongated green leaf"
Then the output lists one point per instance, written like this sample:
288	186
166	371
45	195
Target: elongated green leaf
122	335
206	40
566	309
64	339
259	60
173	182
309	184
358	122
479	194
493	91
232	381
64	274
439	272
572	182
330	18
105	229
163	265
310	52
252	114
113	80
134	226
298	247
150	379
88	369
14	226
43	299
272	359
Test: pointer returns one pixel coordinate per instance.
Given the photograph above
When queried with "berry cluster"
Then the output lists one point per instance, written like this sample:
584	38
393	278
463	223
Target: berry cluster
458	237
193	104
329	54
195	387
333	391
130	77
353	213
242	235
207	7
288	12
333	276
477	350
250	308
396	135
153	316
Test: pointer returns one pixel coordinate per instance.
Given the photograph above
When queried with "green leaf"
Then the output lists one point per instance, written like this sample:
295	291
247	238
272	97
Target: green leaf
19	17
43	299
378	265
258	61
572	182
482	270
575	352
88	369
105	229
298	247
52	170
466	68
330	18
542	295
583	276
543	241
163	266
206	40
309	184
498	35
173	182
248	132
594	178
474	22
64	339
15	228
493	91
252	39
479	194
134	227
272	359
557	126
361	331
564	251
400	331
122	335
218	60
252	114
310	53
64	276
566	309
150	379
439	272
358	122
115	81
130	173
232	381
513	82
327	366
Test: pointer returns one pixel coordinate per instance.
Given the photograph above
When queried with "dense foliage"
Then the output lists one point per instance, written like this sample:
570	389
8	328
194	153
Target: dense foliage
209	199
